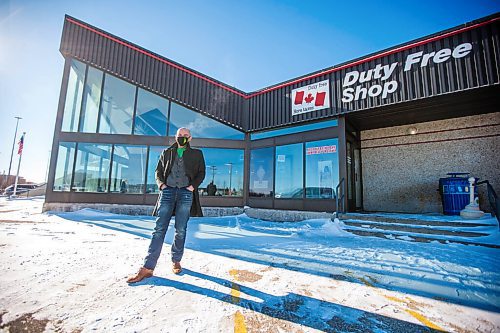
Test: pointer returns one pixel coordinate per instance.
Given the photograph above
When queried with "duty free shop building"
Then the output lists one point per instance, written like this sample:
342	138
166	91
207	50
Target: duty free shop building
382	129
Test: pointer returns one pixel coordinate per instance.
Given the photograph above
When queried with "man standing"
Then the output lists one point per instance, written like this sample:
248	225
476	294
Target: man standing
179	173
211	189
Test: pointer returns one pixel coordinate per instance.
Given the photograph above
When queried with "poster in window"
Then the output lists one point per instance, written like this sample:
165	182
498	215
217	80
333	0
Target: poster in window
325	178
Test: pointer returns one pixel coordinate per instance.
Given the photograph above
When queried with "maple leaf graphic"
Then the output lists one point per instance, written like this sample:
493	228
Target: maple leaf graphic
309	98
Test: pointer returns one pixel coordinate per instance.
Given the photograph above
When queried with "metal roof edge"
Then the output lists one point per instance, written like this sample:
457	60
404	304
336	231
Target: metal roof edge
398	48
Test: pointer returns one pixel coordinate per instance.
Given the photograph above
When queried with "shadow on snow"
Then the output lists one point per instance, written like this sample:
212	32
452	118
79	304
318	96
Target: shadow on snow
314	255
299	309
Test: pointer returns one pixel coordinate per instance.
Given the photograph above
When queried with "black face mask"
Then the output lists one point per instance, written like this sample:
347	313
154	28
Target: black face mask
182	141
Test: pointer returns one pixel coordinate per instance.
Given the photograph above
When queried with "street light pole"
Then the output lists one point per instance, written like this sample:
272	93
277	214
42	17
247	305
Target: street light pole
230	177
13	144
213	167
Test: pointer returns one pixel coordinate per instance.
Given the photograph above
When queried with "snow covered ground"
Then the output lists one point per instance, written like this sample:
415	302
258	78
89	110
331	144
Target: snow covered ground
66	272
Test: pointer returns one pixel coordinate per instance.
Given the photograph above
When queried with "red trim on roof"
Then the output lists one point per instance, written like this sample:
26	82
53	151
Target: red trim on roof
376	56
312	76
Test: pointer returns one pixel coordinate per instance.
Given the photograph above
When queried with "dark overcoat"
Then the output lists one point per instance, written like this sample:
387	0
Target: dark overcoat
194	165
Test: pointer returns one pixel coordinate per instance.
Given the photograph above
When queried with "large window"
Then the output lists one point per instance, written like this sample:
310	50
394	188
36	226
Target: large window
117	106
129	168
114	108
224	172
261	172
91	98
154	156
92	167
151	114
73	97
64	166
322	169
199	125
289	171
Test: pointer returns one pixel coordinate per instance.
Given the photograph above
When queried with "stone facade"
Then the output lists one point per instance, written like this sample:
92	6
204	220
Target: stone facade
132	209
257	213
401	171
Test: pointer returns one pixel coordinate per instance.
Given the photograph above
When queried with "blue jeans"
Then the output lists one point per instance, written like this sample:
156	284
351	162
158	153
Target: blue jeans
171	198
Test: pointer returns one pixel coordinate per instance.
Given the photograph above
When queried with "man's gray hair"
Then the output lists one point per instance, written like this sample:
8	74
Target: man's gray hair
182	128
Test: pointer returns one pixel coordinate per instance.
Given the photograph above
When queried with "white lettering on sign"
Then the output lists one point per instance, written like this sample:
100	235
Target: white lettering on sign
313	97
384	72
380	72
351	94
437	57
321	150
261	184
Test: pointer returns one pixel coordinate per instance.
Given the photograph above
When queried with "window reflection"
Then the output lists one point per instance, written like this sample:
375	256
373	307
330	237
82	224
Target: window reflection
322	170
224	172
289	171
154	156
128	170
151	114
64	166
73	97
294	129
117	106
261	172
199	125
92	167
91	97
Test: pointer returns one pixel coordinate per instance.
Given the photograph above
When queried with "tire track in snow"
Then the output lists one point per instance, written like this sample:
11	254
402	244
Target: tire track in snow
400	302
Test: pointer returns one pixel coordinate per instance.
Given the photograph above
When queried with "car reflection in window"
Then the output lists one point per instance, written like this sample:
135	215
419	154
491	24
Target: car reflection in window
311	193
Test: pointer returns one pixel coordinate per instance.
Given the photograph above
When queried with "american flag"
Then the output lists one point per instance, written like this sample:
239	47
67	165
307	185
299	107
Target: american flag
21	144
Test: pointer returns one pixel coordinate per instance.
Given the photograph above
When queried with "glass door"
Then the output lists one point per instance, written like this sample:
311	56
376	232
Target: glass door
358	189
354	185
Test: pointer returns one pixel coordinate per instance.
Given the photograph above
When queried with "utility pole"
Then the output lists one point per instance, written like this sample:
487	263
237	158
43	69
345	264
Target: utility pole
13	144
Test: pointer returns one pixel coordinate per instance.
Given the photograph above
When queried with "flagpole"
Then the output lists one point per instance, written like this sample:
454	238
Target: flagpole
18	166
13	144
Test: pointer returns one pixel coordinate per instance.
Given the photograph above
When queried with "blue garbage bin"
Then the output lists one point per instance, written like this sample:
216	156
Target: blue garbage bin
454	191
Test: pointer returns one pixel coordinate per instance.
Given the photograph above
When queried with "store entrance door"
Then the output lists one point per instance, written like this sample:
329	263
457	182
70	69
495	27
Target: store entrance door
354	185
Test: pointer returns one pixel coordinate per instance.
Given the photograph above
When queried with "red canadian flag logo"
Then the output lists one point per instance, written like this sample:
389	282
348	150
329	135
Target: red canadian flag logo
313	97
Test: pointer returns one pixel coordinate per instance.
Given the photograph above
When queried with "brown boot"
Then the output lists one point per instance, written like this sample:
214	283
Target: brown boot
142	274
176	267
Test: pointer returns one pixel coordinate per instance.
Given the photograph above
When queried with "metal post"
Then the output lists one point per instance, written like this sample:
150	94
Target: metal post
13	144
471	192
472	211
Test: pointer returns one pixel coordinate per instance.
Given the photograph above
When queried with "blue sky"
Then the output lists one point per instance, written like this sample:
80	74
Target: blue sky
247	44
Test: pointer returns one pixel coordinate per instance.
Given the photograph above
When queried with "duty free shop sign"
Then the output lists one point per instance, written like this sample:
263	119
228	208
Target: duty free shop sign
317	96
